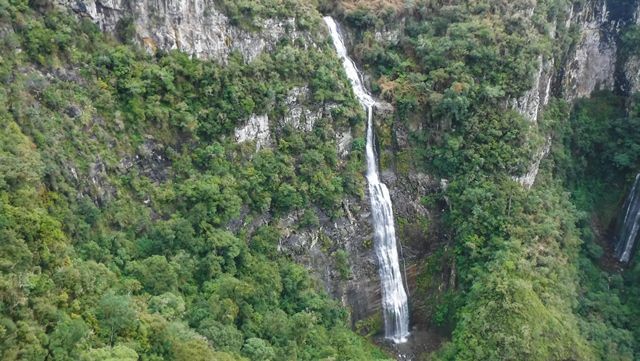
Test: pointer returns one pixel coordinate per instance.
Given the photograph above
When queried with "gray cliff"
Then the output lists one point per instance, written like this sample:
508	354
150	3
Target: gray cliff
195	27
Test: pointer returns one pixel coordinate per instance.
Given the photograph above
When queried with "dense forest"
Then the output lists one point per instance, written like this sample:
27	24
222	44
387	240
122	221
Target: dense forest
534	277
134	225
107	257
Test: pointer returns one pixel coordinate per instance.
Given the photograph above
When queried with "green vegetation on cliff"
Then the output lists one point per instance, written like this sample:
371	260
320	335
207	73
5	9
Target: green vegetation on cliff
133	226
527	283
120	181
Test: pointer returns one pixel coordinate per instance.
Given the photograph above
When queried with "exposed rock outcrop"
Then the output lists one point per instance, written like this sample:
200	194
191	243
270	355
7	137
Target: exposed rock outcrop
345	140
256	129
632	74
530	104
196	27
528	179
592	63
299	116
316	247
631	70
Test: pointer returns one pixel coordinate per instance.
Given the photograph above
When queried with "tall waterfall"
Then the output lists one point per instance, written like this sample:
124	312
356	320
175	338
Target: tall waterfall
394	297
628	228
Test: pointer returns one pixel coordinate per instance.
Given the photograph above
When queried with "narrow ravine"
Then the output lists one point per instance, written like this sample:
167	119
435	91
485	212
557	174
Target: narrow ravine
394	298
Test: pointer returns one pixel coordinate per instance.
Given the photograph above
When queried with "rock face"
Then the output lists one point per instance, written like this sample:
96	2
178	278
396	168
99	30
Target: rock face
193	26
528	179
592	66
317	248
593	63
256	129
198	28
631	69
299	116
530	104
632	74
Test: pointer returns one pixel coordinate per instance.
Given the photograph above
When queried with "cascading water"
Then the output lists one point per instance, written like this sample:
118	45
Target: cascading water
394	297
628	229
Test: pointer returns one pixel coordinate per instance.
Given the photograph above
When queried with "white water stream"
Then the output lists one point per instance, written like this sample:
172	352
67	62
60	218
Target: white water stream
628	232
394	298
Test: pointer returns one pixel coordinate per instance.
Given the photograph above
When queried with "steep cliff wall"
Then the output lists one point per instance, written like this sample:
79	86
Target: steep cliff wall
199	28
589	64
196	27
630	72
592	62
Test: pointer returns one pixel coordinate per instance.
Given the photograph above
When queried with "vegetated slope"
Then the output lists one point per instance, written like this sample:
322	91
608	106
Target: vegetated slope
524	286
131	222
596	157
126	203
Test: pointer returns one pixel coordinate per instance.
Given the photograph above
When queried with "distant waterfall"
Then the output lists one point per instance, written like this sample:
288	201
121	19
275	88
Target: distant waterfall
628	228
394	297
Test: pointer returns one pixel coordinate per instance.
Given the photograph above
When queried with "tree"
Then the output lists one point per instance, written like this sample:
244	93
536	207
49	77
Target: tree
222	337
156	274
169	305
67	339
258	350
115	353
115	314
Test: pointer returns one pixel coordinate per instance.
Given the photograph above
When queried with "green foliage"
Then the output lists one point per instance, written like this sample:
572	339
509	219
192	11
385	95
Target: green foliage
455	71
631	40
309	219
131	222
342	263
603	135
595	160
119	352
258	349
246	13
125	30
126	204
156	274
371	326
115	315
169	305
68	339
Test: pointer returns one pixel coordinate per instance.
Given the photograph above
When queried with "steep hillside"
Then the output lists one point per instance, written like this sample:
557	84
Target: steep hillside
484	95
185	179
143	208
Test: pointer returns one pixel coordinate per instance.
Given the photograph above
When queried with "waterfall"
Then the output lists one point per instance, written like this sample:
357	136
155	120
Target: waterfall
628	227
394	298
